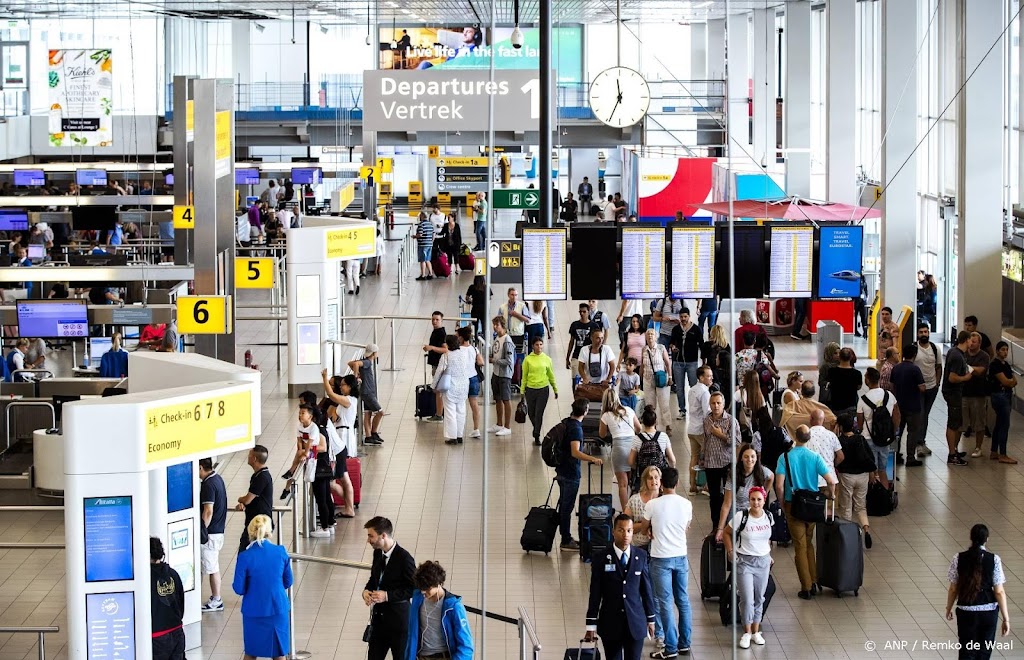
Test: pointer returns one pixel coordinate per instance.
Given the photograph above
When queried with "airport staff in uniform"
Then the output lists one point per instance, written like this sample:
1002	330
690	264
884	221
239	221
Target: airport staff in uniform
388	591
621	609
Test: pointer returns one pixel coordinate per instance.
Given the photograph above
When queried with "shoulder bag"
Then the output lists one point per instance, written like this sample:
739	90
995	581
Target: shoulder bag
806	505
660	376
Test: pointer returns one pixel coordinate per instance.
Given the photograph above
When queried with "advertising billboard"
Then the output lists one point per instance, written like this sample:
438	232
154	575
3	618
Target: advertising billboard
839	261
81	98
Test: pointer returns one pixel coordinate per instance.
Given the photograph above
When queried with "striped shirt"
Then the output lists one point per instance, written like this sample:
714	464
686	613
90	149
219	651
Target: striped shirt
425	233
717	452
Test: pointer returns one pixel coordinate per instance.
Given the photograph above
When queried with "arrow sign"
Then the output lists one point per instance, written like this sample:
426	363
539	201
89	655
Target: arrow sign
510	198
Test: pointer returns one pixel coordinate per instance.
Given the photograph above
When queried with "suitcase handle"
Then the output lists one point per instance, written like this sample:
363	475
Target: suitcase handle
551	488
831	521
600	483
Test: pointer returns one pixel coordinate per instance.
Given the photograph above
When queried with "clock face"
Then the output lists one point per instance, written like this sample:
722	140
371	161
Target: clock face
620	96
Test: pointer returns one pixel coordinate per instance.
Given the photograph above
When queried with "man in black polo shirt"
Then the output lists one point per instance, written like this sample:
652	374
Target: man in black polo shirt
259	499
434	349
213	500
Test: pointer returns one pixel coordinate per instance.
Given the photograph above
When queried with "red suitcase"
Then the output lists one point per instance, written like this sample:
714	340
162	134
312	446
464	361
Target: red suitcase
355	475
440	264
467	261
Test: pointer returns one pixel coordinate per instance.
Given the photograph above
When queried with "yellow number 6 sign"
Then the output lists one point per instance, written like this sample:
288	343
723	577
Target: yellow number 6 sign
204	315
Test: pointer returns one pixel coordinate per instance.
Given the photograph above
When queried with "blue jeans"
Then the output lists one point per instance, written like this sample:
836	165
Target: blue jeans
712	319
1001	405
678	370
480	230
664	339
567	491
669	577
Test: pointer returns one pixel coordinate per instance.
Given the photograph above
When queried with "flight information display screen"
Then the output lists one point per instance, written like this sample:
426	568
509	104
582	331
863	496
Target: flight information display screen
306	175
643	262
247	176
108	539
544	264
34	178
750	261
91	177
693	262
52	319
791	270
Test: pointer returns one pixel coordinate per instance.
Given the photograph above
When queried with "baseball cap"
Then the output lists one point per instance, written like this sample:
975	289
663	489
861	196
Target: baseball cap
370	349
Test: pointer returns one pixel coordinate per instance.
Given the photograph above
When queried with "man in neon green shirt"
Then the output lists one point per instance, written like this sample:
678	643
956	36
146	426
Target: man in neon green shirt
538	375
480	222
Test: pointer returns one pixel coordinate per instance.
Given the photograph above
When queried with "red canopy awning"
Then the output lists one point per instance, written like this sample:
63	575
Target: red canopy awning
793	208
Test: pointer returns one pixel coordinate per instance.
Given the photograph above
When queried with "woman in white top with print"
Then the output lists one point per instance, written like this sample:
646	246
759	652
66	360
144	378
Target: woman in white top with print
656	358
753	563
459	364
621	423
342	404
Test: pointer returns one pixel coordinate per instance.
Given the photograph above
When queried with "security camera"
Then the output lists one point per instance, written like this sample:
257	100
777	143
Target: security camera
517	38
368	42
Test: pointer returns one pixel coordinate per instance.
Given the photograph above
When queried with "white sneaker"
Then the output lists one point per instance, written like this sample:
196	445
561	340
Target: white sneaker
475	433
504	431
745	641
320	534
330	530
976	453
213	605
757	638
494	429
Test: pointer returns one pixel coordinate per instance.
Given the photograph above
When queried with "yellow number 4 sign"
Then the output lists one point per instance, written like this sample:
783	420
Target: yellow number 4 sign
254	273
184	217
204	315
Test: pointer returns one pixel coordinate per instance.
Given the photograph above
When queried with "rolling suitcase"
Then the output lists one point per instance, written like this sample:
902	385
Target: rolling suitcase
467	261
426	403
840	555
439	262
713	567
355	475
541	526
583	652
780	530
596	513
592	422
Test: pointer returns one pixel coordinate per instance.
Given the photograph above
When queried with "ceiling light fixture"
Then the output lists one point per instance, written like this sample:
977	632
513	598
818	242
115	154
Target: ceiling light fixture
394	35
369	40
517	35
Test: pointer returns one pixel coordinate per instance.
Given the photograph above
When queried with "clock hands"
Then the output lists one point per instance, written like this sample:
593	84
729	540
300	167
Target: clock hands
618	99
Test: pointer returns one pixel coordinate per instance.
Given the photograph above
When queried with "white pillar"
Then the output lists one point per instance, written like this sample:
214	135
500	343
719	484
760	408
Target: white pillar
716	49
841	102
739	83
240	55
797	99
763	54
698	51
899	127
979	168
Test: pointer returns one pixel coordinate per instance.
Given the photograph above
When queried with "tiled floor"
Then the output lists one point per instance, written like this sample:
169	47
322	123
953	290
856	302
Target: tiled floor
433	494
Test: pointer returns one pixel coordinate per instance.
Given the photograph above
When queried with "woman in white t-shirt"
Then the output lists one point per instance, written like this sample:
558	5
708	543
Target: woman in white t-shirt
620	423
341	405
753	563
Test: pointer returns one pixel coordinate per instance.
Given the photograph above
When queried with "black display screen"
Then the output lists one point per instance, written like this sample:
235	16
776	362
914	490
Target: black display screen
750	262
593	265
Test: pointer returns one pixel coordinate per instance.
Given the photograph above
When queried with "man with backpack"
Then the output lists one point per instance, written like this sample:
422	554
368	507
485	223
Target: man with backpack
878	416
561	449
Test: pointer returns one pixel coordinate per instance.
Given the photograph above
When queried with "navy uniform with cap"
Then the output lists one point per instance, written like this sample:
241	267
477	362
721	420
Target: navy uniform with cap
621	609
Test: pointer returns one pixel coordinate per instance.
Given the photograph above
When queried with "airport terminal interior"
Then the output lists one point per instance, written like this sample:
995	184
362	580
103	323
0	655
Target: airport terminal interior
210	207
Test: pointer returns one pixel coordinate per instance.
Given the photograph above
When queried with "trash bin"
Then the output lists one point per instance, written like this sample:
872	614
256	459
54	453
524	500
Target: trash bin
827	331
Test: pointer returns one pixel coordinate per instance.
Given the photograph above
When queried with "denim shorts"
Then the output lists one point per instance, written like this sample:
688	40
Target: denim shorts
474	386
424	253
881	455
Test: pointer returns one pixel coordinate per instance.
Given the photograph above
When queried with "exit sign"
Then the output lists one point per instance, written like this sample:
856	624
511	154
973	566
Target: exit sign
510	198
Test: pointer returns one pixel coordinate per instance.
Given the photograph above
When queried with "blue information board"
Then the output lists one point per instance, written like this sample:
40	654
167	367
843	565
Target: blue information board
839	261
108	539
179	487
110	625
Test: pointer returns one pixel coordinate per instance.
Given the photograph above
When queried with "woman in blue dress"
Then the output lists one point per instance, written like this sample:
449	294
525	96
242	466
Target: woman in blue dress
263	573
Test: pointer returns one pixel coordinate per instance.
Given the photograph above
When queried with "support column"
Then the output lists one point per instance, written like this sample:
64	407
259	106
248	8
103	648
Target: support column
715	49
546	112
979	168
370	137
841	102
797	102
739	83
763	53
240	55
899	127
183	150
698	51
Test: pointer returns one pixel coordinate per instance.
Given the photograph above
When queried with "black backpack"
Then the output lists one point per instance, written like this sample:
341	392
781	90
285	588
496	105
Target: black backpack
552	448
650	453
883	431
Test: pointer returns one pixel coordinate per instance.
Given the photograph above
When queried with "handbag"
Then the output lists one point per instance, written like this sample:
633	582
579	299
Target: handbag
589	391
807	505
309	470
660	376
368	630
324	466
521	412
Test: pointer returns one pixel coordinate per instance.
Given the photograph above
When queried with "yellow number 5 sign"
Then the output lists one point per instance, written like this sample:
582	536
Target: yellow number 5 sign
254	273
204	315
184	217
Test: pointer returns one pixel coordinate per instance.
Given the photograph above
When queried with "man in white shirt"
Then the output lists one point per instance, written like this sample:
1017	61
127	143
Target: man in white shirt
437	218
514	312
597	363
699	404
929	359
670	516
876	395
824	443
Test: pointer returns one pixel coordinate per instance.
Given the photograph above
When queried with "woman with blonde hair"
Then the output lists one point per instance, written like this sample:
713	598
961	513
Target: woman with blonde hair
263	574
656	376
794	381
717	354
621	423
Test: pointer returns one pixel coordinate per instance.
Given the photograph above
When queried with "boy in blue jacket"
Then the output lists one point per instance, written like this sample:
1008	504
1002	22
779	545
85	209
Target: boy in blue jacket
437	619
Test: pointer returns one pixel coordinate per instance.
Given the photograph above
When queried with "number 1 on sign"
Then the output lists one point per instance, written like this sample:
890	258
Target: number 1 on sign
533	89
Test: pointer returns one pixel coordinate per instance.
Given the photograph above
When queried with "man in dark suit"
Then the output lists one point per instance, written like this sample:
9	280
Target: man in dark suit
621	606
388	591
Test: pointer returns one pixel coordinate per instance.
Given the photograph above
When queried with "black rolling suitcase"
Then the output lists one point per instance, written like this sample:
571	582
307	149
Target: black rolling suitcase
426	403
592	422
596	513
840	555
541	526
713	568
583	652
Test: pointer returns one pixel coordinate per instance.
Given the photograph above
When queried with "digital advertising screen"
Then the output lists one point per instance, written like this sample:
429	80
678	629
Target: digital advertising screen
13	220
307	296
791	267
594	248
750	261
53	319
33	178
306	175
840	255
91	177
179	487
247	176
544	264
643	262
309	343
693	262
169	179
180	555
110	625
93	218
108	539
1013	264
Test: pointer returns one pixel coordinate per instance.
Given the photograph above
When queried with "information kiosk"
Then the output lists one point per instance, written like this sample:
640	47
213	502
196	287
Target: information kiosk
130	466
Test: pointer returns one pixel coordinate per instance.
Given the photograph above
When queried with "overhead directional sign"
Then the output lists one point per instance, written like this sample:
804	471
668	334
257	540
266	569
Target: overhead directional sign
458	173
451	100
522	198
